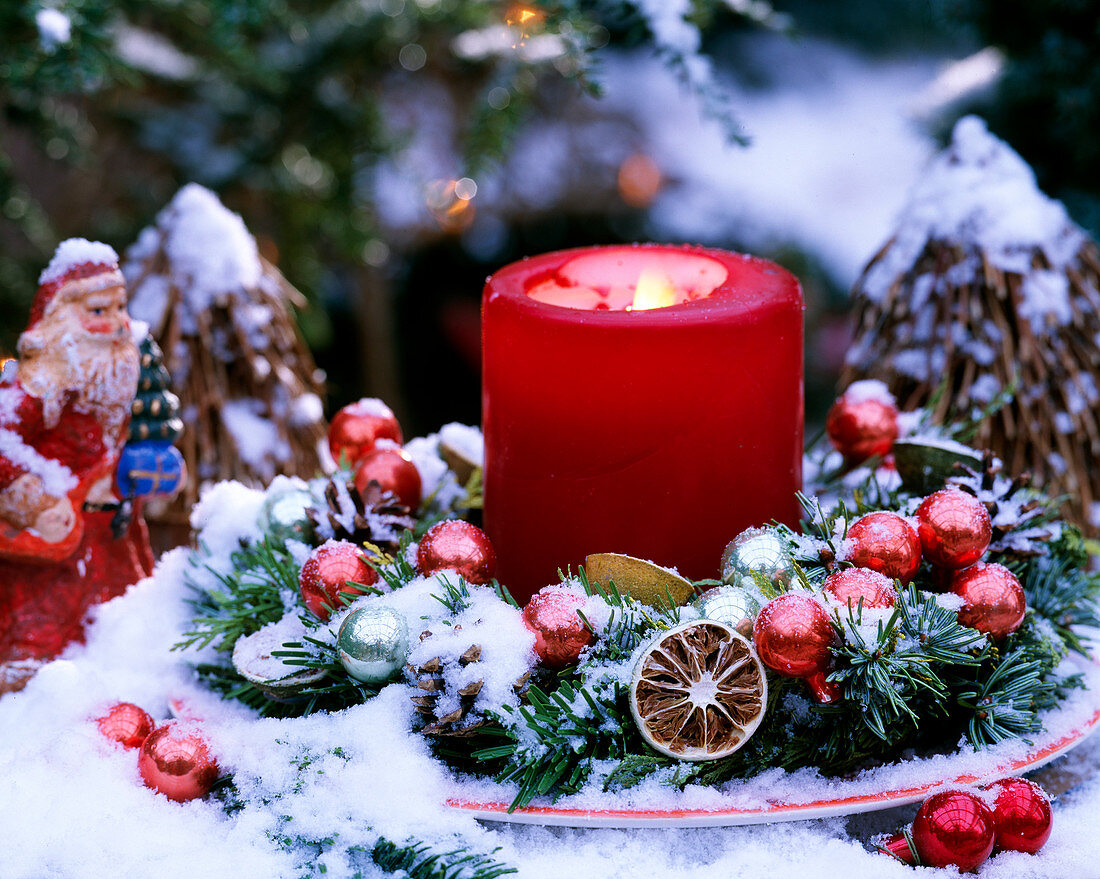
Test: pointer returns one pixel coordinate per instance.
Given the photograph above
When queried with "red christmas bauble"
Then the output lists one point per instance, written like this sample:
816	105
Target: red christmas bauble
459	546
326	573
993	599
954	528
793	636
1021	810
176	761
852	584
126	723
862	427
560	633
953	828
884	542
394	471
358	426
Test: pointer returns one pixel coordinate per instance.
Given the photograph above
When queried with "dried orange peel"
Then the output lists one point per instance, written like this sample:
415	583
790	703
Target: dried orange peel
699	691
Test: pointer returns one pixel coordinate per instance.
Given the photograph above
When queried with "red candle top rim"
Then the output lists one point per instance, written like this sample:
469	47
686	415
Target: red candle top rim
751	283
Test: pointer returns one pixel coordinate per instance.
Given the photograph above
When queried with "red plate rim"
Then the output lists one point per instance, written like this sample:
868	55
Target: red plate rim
489	810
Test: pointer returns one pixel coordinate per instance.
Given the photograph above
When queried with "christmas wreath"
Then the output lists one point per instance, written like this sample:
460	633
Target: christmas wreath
929	601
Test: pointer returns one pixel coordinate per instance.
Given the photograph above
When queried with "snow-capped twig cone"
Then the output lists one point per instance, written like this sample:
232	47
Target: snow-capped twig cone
249	389
987	282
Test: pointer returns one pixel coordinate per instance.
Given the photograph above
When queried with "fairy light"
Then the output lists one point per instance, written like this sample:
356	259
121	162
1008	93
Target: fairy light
639	180
452	203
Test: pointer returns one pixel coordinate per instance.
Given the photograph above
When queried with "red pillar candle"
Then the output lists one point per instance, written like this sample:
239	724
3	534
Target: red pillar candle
659	428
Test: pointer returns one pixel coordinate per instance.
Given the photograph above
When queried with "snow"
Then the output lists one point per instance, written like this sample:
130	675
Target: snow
255	436
54	28
211	255
57	479
74	252
980	193
77	806
869	389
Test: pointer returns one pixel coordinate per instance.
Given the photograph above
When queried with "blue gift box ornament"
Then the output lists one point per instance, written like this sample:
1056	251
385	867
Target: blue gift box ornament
149	467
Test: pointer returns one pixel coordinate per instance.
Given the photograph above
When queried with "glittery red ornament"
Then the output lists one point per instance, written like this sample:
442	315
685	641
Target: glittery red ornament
1021	810
176	761
793	636
862	427
394	471
326	573
126	723
953	828
358	426
852	584
884	542
993	599
560	633
459	546
954	528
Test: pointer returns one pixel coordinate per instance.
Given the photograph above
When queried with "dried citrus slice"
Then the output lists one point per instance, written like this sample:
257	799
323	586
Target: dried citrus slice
699	691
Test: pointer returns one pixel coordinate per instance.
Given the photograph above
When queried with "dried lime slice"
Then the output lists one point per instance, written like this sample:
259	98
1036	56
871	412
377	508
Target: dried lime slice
699	691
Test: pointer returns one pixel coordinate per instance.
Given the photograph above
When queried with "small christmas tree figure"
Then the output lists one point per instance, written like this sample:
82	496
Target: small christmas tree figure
248	387
154	414
151	469
986	287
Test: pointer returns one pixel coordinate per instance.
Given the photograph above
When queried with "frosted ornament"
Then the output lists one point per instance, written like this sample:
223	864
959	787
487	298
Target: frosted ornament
757	553
284	514
735	606
884	542
794	636
176	760
373	644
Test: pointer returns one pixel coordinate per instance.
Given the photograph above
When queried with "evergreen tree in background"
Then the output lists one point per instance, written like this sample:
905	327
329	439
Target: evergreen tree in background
287	109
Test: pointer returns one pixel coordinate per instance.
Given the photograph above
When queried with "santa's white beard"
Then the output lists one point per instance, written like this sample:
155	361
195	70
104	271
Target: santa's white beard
98	377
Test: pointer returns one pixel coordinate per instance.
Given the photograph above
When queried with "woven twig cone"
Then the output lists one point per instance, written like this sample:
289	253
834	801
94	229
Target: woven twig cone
986	283
249	389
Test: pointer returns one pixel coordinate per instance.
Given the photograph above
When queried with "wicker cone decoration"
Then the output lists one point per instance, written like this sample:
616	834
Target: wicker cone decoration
250	392
987	282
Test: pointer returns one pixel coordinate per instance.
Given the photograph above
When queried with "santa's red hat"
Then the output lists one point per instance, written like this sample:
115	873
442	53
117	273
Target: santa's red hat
93	264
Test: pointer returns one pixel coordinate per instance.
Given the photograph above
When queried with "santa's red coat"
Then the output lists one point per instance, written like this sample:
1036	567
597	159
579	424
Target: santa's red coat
43	603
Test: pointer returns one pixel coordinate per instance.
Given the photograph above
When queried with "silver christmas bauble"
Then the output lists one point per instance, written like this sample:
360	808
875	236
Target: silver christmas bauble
283	514
736	606
757	552
373	644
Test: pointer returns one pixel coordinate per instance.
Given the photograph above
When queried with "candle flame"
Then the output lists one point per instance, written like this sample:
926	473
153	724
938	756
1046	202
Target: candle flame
653	290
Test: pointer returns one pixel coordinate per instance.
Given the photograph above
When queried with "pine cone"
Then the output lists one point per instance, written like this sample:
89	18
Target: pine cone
462	721
368	516
1016	511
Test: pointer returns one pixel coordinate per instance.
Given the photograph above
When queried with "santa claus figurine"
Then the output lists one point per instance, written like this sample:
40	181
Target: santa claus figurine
64	415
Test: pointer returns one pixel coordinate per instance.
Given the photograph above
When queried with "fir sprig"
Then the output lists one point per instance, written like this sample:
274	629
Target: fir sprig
250	597
418	860
574	726
1064	595
1006	704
